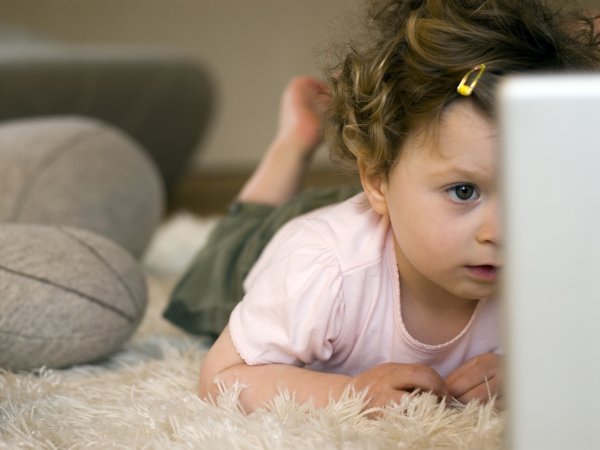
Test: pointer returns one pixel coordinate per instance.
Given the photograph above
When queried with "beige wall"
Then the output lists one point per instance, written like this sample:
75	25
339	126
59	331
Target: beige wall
253	47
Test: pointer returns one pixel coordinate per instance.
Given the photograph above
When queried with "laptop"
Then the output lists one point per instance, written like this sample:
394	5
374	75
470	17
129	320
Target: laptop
550	135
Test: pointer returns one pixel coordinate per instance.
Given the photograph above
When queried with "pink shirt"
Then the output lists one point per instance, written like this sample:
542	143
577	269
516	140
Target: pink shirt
325	294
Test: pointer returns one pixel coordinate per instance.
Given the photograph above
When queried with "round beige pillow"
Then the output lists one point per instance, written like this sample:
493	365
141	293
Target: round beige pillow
79	172
67	296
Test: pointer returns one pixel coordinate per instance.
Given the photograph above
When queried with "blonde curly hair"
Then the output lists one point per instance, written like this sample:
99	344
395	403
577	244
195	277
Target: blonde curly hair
417	52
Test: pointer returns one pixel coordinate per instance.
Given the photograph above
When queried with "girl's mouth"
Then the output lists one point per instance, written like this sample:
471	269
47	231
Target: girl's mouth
485	272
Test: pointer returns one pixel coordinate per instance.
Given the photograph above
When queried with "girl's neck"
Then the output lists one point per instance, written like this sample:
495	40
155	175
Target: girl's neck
434	322
431	314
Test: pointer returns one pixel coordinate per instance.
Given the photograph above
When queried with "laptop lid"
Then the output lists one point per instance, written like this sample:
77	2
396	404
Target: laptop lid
550	134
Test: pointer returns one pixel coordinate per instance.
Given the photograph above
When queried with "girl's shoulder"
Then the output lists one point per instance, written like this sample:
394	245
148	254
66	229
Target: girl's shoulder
350	231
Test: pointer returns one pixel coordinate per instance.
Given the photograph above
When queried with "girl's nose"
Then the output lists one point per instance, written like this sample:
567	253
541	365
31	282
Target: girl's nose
490	229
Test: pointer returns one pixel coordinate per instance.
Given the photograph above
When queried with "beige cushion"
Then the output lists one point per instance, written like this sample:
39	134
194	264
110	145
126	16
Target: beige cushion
82	173
67	296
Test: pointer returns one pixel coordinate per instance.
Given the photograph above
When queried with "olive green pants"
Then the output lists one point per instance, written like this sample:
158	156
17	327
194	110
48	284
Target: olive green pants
207	293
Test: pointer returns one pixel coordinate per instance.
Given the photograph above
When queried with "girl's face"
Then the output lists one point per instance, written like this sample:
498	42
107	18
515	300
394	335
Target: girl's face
442	202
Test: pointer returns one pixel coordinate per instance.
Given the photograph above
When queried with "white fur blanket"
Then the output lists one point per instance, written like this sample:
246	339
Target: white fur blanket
145	396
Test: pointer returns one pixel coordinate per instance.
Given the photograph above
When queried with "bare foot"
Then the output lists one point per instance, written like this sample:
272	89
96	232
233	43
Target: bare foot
302	105
281	171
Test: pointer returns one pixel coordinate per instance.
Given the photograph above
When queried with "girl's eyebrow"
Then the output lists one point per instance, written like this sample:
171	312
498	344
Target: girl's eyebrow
458	170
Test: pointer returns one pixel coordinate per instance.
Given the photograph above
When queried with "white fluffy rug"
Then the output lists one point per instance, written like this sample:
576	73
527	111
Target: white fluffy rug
145	396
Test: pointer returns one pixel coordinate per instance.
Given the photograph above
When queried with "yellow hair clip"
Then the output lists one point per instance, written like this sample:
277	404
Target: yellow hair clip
468	83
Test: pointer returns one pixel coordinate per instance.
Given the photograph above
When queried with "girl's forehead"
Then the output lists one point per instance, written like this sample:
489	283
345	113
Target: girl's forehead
461	133
460	124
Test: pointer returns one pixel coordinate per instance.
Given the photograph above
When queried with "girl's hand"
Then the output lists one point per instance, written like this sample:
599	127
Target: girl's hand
480	378
389	382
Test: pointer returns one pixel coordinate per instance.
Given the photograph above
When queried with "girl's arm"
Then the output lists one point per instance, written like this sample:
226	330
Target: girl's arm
386	383
223	363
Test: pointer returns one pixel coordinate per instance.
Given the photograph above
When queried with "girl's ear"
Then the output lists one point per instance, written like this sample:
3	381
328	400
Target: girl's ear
375	187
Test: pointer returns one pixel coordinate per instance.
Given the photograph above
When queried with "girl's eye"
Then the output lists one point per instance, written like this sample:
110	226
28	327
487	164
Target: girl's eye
463	192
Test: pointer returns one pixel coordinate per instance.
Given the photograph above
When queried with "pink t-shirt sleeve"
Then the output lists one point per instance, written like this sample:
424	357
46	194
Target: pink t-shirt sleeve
293	309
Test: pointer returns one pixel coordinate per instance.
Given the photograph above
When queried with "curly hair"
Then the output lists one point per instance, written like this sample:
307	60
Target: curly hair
419	50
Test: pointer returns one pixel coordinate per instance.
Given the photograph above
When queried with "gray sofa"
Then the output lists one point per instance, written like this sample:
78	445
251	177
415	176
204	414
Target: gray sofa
160	97
90	136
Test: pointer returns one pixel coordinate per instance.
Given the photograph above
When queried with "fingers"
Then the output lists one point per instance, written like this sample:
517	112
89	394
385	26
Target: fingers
483	391
389	382
480	378
411	377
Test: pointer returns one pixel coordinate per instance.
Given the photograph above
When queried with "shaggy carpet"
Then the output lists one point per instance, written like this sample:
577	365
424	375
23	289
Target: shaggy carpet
145	395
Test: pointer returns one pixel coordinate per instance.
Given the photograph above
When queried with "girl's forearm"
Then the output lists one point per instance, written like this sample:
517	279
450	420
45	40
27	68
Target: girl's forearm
224	365
263	382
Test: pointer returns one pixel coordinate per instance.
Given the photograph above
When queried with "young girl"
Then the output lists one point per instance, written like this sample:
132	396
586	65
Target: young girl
394	289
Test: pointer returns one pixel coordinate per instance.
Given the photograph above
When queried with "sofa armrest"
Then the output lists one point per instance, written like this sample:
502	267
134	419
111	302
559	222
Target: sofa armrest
160	97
